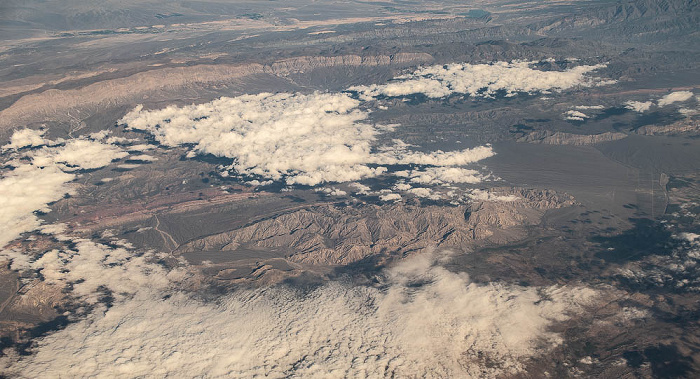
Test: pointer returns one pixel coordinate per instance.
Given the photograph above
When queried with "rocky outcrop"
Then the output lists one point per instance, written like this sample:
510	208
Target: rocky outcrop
560	138
686	127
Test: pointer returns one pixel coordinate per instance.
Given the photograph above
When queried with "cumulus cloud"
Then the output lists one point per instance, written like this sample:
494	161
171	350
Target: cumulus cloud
679	270
25	190
78	154
575	115
360	188
688	112
442	175
401	155
331	191
310	138
390	197
402	186
91	267
639	106
424	192
675	97
481	195
143	158
483	80
693	238
29	187
420	320
295	138
26	138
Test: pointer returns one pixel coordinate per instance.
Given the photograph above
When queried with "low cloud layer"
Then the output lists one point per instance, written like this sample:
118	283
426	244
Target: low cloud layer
441	175
420	320
78	154
639	106
26	138
575	115
679	270
23	191
481	195
675	97
298	139
483	80
35	178
671	98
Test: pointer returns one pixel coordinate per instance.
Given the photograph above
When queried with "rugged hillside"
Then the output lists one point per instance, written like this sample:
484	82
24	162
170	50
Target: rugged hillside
630	20
560	138
329	234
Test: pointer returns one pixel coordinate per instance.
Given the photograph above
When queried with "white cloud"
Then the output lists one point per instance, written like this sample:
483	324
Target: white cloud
678	270
30	187
482	80
424	192
142	158
639	106
360	188
26	138
400	155
481	195
23	191
332	191
675	97
688	112
91	266
442	175
593	107
128	166
78	154
390	197
575	115
693	238
140	147
53	229
420	320
100	135
307	138
114	140
300	139
256	182
402	186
